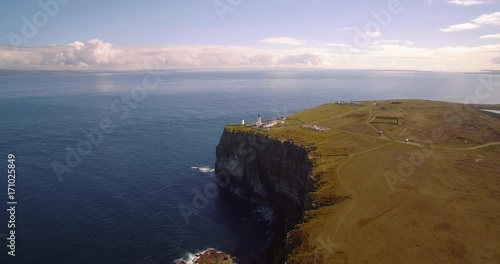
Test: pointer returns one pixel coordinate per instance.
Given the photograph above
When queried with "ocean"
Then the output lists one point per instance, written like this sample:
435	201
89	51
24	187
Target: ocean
132	195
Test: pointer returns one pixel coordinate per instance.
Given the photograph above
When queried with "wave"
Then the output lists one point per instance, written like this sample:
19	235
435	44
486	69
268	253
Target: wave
188	259
206	169
211	253
265	213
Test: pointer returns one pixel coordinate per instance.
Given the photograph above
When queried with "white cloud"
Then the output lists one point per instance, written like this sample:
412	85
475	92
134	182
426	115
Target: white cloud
341	45
494	36
386	41
451	58
345	29
283	40
389	54
469	2
96	54
459	27
488	19
302	59
374	34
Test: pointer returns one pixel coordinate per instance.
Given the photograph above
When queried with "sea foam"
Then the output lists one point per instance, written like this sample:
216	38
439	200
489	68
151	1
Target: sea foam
205	169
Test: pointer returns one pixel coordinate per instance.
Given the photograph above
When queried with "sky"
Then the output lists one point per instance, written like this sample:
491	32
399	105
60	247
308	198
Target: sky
433	35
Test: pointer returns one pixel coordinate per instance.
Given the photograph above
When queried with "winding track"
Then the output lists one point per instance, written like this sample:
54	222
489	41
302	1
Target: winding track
469	148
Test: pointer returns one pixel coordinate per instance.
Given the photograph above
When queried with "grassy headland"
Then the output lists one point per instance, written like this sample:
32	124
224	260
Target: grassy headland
425	190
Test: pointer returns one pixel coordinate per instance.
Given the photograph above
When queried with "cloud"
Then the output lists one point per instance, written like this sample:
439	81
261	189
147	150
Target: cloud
75	55
283	40
459	27
388	54
97	54
345	29
386	41
496	60
340	45
301	59
469	2
94	52
409	57
374	34
261	59
488	19
495	36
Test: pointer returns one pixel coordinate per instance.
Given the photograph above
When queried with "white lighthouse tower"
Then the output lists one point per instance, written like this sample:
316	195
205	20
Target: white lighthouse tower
243	121
259	120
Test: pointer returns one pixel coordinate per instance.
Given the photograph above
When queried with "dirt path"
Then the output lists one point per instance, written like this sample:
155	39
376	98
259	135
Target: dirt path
344	114
469	148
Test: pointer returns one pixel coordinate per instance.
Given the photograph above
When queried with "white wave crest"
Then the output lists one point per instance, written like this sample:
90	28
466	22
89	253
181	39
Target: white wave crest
188	259
206	169
191	258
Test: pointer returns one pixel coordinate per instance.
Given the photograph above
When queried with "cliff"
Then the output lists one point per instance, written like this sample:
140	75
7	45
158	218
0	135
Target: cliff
270	170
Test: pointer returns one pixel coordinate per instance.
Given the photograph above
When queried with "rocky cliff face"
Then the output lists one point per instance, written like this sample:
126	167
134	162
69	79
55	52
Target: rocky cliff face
270	170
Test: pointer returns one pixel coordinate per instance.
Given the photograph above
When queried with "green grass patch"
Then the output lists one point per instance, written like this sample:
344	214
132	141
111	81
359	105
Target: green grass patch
385	120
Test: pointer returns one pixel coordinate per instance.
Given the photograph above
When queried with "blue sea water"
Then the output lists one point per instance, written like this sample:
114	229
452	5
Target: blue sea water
121	203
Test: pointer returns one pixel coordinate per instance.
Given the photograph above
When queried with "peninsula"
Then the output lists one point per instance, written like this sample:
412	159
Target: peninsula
389	181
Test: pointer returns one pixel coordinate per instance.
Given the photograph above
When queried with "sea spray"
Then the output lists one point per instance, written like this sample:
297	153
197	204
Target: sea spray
205	169
209	255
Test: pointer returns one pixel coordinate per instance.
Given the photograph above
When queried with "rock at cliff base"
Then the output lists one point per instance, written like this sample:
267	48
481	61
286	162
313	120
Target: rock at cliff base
208	256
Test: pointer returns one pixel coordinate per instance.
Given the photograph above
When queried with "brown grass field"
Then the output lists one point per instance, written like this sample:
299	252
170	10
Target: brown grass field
435	199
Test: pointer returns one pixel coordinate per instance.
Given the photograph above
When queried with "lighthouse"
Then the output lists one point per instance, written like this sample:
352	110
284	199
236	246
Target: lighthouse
259	120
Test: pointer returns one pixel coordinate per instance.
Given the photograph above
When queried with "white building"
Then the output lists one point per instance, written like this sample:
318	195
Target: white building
270	124
259	120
